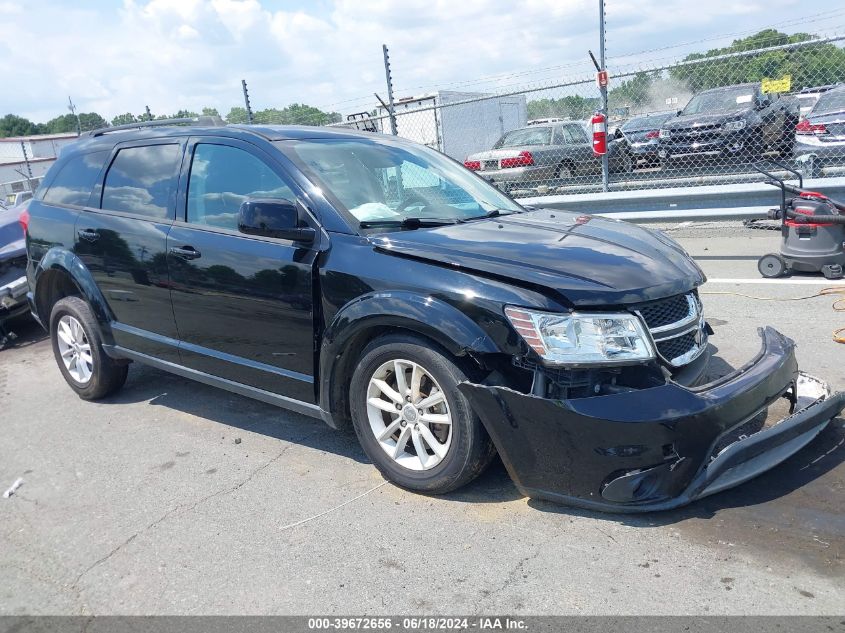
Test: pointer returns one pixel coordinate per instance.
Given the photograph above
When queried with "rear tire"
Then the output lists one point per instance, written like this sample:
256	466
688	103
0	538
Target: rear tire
772	266
564	171
78	348
399	376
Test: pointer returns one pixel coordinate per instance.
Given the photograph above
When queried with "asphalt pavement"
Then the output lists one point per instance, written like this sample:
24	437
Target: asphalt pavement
176	498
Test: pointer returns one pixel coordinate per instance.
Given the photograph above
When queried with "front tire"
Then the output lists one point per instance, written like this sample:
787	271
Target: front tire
413	423
78	348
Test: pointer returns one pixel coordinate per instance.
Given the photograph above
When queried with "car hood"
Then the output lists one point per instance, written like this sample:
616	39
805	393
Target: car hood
11	235
696	120
585	260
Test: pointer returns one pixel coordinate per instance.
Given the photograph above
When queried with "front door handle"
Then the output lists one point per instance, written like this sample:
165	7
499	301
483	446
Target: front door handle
185	252
89	235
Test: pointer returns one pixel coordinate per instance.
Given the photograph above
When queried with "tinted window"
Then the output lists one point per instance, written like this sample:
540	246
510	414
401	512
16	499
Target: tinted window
222	177
141	179
75	179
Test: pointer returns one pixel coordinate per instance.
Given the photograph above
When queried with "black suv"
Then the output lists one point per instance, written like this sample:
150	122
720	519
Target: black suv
364	279
734	124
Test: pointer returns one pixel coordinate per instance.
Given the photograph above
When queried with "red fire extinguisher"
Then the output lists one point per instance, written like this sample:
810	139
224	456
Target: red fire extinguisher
599	134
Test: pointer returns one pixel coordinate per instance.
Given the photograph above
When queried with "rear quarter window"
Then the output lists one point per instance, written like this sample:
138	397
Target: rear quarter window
142	179
75	180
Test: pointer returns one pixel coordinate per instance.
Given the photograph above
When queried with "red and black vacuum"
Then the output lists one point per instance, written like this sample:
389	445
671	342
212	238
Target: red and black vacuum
812	231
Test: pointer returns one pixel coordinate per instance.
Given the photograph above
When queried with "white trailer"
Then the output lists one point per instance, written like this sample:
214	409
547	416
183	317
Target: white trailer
456	130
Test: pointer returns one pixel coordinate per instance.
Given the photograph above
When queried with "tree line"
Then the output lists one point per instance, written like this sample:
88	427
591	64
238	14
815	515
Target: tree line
294	114
812	65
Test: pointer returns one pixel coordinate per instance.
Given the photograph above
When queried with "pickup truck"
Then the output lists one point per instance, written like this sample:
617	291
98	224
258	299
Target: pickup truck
370	281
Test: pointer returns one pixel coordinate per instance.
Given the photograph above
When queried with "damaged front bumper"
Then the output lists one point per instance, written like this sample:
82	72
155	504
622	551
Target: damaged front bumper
656	448
12	296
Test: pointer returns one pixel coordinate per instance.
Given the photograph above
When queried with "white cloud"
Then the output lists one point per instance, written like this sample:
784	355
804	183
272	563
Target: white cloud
173	54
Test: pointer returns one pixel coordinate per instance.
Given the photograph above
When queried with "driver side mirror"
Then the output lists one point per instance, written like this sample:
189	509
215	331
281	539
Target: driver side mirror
274	218
762	101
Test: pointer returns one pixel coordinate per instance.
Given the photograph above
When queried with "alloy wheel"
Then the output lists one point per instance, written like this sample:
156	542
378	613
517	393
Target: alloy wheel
75	349
409	415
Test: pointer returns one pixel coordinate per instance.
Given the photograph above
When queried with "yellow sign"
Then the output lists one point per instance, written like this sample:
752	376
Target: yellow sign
784	84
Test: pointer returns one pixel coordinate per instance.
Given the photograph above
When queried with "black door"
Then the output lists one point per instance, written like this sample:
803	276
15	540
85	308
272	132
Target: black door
121	238
243	304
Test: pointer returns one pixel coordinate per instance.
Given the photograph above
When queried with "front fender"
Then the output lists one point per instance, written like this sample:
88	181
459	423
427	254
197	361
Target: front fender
378	311
61	260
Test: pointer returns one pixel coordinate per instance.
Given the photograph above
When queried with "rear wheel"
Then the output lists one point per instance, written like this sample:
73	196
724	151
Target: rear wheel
772	266
412	422
563	171
77	346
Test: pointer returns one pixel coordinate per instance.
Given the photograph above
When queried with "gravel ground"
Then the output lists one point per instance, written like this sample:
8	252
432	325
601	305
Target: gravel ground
176	498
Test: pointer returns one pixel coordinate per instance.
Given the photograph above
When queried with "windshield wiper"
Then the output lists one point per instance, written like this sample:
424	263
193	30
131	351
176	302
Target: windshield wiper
407	223
492	213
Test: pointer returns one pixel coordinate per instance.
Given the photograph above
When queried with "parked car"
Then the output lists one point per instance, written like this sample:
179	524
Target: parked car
13	286
14	199
541	154
732	124
822	134
366	280
807	97
639	136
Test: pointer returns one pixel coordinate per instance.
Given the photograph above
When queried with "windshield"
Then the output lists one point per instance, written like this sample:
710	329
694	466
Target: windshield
384	181
832	101
738	98
645	122
526	136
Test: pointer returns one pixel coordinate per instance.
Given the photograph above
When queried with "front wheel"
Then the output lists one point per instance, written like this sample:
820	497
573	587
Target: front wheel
411	420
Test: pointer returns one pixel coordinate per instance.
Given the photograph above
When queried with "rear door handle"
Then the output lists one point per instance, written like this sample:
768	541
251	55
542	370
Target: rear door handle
185	252
89	235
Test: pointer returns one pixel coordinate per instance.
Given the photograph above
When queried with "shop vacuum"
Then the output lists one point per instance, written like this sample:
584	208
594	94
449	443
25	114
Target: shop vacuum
812	231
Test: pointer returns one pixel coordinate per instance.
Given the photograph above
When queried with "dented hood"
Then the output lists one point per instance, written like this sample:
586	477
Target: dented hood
587	261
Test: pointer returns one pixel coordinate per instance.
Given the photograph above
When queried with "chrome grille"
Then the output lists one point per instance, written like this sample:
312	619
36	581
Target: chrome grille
677	327
665	312
678	346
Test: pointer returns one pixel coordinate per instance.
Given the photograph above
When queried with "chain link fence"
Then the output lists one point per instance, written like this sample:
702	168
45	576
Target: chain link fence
706	120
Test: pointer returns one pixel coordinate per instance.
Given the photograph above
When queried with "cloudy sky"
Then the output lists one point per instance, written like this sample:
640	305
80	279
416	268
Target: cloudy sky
114	56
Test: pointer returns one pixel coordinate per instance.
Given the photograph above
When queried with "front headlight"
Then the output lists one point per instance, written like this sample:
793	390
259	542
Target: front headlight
734	126
582	339
665	134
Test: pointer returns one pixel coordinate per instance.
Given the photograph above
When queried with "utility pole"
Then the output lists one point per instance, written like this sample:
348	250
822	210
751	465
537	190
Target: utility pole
72	109
26	160
605	169
390	108
246	102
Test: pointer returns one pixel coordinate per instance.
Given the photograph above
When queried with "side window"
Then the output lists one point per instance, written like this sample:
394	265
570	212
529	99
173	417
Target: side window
577	134
222	177
75	179
141	180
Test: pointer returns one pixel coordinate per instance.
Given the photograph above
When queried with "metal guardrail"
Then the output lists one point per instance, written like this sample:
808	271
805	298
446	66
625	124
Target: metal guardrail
712	202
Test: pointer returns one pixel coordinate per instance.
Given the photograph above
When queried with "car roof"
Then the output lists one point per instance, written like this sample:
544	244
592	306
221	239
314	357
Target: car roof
751	84
106	139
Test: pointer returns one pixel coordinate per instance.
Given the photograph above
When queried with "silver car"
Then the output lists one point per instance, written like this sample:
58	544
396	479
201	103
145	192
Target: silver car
822	133
541	154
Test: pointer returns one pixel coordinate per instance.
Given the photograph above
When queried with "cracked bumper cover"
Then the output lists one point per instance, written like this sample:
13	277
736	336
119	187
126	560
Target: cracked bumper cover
654	449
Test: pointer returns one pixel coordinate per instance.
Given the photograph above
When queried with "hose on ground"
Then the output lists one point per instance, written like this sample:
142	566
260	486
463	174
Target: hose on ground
838	304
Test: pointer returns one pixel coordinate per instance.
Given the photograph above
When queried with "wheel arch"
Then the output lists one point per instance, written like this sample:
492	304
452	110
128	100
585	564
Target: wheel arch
59	274
371	316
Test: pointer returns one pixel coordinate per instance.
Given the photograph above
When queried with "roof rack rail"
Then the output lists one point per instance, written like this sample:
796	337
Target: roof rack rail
203	121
